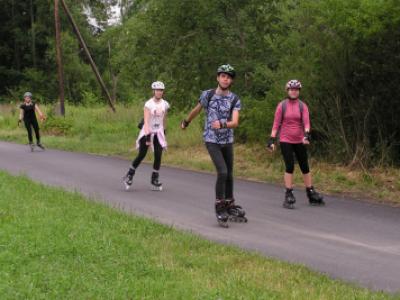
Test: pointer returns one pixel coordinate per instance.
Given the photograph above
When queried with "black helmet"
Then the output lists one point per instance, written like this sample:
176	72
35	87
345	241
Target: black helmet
227	69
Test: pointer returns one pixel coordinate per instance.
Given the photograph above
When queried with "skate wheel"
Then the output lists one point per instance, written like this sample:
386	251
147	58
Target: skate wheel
223	224
126	186
288	206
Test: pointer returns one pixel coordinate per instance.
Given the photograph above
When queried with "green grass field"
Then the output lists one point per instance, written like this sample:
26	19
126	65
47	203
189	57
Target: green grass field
58	245
98	130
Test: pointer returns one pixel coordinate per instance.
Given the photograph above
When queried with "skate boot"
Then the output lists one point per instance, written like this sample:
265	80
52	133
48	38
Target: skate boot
32	146
155	184
128	178
314	198
221	213
235	212
290	200
40	146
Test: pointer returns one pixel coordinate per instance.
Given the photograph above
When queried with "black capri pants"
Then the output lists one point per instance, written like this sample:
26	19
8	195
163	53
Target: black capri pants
29	123
143	151
289	150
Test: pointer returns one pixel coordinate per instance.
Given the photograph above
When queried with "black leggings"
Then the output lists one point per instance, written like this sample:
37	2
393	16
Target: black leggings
300	151
29	124
143	151
222	157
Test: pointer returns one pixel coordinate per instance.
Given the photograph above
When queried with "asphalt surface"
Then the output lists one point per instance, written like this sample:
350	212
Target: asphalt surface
352	240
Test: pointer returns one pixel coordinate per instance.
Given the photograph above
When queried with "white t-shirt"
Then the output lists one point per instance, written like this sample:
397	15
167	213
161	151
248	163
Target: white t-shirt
157	109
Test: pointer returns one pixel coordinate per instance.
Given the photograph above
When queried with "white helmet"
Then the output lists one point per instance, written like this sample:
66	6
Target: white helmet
293	84
28	94
158	85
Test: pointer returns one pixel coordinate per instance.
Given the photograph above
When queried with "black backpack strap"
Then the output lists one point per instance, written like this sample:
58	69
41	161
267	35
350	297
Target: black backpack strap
210	94
301	106
284	105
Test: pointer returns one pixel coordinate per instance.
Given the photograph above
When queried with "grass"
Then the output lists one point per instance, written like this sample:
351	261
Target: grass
58	245
97	130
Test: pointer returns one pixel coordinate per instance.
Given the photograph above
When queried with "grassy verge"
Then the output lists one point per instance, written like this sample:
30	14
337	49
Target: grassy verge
97	130
58	245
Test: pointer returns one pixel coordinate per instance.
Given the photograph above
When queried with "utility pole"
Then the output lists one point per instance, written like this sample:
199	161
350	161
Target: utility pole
87	53
59	57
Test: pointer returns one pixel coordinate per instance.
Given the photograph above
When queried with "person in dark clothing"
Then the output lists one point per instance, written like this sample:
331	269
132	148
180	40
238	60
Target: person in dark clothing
28	115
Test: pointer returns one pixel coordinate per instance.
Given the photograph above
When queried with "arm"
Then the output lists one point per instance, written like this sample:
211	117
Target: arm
41	115
165	120
275	128
227	124
193	114
146	119
277	121
146	125
307	126
21	116
235	120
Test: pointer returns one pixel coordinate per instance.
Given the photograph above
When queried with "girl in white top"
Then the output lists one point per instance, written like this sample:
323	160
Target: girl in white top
152	134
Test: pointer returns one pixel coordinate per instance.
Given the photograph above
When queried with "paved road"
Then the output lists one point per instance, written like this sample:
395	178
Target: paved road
352	240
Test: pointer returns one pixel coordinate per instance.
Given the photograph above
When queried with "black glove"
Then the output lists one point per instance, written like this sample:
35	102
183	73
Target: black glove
185	123
307	136
270	142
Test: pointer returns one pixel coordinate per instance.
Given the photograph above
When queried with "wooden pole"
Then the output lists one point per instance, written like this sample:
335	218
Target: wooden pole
59	57
87	53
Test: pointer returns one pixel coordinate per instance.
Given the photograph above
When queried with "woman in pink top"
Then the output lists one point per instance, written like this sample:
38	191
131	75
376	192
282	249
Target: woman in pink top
152	134
292	123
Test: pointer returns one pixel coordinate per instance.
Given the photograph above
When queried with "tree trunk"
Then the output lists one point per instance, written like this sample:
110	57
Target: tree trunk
17	61
33	34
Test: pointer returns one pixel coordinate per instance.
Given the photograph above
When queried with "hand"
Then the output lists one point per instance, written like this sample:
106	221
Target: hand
43	118
216	124
306	139
271	144
184	124
19	122
148	140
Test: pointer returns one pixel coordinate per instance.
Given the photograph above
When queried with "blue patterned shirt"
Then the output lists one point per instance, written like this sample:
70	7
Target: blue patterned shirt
218	108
